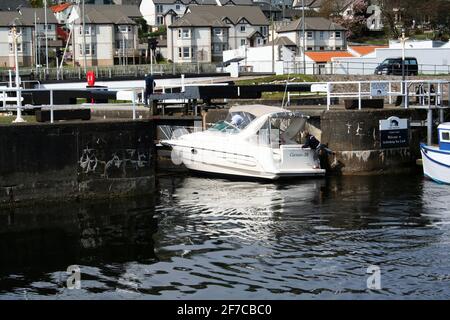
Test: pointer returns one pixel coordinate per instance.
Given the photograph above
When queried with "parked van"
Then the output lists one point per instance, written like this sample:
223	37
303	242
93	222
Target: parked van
393	66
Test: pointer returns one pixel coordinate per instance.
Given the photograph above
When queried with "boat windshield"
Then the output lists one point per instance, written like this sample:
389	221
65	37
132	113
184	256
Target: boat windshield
234	123
224	126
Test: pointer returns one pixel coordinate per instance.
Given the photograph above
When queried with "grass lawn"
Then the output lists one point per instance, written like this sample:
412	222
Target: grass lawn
9	119
278	79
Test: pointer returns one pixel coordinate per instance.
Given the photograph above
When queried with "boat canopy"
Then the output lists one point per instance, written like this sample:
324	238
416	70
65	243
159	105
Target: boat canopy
258	110
444	126
444	136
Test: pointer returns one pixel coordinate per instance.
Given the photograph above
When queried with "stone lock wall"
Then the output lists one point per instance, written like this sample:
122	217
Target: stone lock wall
355	138
62	161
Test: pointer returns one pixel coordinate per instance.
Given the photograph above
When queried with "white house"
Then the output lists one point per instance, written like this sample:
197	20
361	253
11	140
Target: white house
321	34
111	35
28	42
259	59
204	32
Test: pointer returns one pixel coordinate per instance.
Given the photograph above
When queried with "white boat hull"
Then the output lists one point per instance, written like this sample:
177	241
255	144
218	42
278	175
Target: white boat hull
253	164
436	164
257	141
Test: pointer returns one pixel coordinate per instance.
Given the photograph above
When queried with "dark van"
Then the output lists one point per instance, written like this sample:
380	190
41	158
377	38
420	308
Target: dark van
393	66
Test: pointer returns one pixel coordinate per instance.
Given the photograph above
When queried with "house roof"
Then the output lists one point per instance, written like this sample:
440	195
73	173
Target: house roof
338	5
216	16
326	56
311	4
12	5
255	33
266	6
111	14
206	2
365	50
282	41
60	7
311	23
8	18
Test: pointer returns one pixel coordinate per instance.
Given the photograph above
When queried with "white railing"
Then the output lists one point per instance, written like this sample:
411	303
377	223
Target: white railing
425	92
428	90
18	99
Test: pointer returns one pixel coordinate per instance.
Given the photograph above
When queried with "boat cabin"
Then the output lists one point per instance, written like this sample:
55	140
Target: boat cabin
444	136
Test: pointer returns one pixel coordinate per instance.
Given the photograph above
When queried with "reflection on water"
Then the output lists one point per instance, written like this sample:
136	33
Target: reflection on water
217	239
38	244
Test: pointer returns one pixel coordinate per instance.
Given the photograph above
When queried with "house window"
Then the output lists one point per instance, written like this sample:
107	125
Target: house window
309	48
20	47
309	34
445	136
338	34
179	53
159	8
177	7
263	30
217	31
186	52
217	48
87	31
18	30
242	28
322	35
186	33
88	49
258	41
322	48
243	42
159	20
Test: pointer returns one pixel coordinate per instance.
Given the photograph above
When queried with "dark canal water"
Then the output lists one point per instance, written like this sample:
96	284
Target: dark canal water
214	239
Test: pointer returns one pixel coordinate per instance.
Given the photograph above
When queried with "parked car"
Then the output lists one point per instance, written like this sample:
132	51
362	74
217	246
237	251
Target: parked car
393	66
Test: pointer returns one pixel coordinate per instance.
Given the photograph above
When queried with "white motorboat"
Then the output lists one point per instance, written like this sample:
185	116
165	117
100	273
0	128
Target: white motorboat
436	159
262	145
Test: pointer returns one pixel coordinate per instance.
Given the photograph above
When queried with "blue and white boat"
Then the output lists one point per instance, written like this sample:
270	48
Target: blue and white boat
436	159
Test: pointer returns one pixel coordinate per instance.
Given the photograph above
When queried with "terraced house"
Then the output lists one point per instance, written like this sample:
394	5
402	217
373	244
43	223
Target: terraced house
204	32
27	42
320	34
165	12
111	35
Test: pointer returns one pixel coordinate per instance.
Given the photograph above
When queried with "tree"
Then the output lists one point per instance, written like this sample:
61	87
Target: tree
354	22
409	14
37	3
40	3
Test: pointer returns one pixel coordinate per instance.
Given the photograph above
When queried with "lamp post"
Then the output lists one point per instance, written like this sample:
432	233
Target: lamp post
273	39
36	39
84	37
304	36
46	35
16	63
403	42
